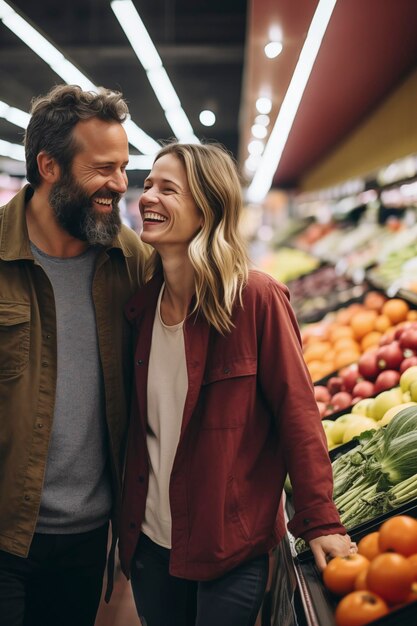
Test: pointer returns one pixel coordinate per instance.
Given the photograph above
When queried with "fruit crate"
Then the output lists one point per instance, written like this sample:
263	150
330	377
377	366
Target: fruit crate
320	604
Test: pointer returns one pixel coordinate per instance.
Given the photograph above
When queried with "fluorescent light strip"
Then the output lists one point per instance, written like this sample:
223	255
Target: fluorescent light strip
12	150
135	30
13	115
271	157
65	69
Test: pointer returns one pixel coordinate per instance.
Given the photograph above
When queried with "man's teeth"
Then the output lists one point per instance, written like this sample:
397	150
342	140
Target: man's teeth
105	201
155	217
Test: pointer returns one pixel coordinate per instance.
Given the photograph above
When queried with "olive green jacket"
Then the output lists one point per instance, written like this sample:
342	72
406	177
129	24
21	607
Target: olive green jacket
28	365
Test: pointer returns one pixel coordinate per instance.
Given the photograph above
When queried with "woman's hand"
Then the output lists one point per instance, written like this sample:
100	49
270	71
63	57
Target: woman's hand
329	546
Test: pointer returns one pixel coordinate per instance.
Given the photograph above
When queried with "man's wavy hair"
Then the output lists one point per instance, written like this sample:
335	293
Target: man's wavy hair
54	116
218	252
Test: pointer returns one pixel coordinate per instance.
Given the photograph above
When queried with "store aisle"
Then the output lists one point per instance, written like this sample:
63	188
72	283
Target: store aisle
121	609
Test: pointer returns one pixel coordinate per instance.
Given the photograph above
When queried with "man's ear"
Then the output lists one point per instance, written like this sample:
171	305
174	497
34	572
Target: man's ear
49	169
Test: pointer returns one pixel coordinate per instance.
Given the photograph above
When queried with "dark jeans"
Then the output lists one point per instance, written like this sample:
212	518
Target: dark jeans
59	584
233	599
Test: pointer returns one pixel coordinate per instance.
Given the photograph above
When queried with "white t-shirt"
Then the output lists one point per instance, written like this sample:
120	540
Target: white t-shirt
167	390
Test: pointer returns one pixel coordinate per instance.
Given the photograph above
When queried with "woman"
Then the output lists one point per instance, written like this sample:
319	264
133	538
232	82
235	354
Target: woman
223	409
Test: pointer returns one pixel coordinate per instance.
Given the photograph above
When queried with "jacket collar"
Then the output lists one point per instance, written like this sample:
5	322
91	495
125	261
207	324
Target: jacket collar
14	238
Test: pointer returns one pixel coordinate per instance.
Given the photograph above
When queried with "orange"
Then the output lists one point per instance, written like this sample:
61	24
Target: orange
371	339
343	316
346	357
382	323
369	545
337	332
412	315
362	323
374	300
316	351
396	310
345	343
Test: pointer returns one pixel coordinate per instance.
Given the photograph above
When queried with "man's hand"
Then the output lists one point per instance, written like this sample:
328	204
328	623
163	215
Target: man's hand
329	546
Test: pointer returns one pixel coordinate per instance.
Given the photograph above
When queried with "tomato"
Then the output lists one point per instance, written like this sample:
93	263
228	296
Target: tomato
360	583
340	573
413	562
399	534
359	608
368	546
390	576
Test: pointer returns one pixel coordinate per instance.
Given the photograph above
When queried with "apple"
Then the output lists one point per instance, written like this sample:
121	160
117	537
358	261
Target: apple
386	380
413	391
408	362
359	426
321	393
328	429
407	377
368	365
387	338
340	424
408	339
340	400
363	407
393	412
390	356
384	401
349	376
363	389
334	385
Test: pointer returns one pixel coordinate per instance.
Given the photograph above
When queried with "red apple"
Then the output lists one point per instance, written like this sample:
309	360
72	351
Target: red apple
321	393
400	330
363	389
341	400
368	365
334	384
390	356
349	376
386	380
408	362
408	339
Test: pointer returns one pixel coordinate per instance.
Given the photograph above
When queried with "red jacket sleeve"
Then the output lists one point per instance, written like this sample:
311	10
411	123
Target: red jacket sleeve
288	389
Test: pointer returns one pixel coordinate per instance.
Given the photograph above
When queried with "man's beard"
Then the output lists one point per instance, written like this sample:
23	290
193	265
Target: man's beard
75	213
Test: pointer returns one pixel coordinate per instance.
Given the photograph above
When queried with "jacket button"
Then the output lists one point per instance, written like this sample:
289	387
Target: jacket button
132	525
27	497
306	521
141	479
44	364
139	362
40	425
227	370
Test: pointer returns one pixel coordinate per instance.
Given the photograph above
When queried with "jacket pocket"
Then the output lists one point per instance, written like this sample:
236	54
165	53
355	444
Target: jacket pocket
14	337
227	394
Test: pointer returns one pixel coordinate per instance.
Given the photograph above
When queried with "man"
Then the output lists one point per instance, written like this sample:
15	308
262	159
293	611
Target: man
67	268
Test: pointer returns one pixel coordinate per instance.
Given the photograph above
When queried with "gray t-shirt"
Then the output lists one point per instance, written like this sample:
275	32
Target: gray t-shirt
76	495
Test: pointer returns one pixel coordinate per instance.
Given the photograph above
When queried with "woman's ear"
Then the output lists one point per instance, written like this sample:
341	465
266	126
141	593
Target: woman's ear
49	169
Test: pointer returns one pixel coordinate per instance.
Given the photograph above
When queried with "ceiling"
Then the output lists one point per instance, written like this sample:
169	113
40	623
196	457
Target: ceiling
213	53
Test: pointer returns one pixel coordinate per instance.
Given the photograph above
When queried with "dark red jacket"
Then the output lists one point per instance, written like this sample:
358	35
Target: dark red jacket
249	418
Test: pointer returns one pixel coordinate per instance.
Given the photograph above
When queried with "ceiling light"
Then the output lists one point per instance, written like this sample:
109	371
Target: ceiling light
207	118
252	162
263	120
263	105
65	69
135	30
262	180
12	150
273	49
13	115
255	147
259	131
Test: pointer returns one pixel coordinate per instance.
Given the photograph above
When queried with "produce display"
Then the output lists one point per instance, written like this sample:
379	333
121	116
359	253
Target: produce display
381	578
341	337
288	263
313	295
399	269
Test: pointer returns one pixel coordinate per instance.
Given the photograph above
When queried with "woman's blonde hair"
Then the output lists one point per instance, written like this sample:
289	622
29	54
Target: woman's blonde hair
218	252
